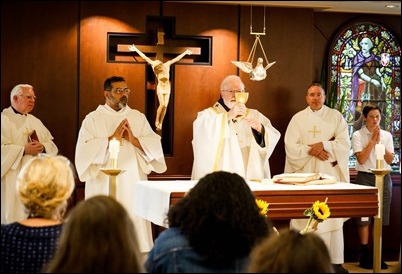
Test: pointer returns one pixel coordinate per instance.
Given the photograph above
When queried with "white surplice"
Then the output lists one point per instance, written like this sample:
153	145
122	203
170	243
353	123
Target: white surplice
15	129
219	144
307	127
92	154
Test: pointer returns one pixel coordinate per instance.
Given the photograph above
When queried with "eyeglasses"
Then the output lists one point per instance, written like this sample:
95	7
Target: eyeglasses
28	97
120	91
233	91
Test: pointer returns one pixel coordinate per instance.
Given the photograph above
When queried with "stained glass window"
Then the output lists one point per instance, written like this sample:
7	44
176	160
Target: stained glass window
364	67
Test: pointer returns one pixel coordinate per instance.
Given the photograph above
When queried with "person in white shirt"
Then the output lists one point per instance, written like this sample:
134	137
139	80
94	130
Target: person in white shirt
363	144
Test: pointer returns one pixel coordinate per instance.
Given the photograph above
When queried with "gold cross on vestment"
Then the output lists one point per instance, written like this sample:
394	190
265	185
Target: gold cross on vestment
314	131
27	132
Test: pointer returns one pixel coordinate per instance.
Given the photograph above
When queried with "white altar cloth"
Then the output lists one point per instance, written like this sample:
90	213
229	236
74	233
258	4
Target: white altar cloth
152	198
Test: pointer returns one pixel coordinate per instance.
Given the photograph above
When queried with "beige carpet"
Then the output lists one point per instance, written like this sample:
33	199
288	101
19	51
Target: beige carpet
354	268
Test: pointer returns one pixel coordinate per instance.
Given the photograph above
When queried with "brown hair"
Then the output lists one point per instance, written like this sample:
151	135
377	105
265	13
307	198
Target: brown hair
98	237
291	252
369	107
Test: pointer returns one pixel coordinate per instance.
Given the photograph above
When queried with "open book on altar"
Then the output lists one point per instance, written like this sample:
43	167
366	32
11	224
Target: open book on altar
304	179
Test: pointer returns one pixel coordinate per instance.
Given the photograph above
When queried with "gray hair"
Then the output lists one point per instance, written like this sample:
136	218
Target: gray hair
229	79
17	90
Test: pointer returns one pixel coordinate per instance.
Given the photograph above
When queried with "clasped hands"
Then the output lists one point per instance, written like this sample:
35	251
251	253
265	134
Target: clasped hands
317	150
376	134
123	131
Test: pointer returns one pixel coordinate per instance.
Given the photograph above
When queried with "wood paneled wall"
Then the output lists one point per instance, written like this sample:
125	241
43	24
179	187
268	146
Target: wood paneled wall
61	49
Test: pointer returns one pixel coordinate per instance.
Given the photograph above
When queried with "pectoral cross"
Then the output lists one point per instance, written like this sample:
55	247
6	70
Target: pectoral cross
314	131
27	132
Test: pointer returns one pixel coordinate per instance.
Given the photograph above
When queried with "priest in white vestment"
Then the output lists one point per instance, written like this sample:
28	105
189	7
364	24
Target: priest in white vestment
233	138
317	140
17	147
140	151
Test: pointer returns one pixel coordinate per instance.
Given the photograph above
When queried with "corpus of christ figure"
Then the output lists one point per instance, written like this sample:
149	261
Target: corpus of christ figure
163	88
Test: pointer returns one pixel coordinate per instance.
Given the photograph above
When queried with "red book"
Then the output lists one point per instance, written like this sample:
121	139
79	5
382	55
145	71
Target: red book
33	136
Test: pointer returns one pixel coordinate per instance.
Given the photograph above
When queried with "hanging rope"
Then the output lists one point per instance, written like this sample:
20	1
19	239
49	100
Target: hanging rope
257	39
254	48
251	23
258	72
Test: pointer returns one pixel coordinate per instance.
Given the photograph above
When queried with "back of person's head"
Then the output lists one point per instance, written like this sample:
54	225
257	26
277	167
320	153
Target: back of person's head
220	217
44	185
98	237
291	252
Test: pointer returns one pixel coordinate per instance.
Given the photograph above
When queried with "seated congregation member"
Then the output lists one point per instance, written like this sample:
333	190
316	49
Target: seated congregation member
291	252
98	237
44	185
212	229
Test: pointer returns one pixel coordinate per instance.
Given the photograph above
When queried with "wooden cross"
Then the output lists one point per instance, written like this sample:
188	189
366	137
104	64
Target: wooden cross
168	46
314	131
160	49
158	25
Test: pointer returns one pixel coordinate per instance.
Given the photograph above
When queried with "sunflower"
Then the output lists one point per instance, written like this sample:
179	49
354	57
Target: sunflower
263	206
319	211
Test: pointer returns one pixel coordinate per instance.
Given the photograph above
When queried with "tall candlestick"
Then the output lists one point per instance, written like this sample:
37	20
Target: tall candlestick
114	148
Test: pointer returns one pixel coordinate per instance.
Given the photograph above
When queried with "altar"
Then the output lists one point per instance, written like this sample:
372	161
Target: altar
152	199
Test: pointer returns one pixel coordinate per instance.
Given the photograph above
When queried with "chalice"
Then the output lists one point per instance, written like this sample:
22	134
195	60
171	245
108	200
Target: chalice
241	97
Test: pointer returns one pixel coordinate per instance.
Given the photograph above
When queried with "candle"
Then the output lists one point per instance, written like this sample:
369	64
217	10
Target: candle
380	151
114	148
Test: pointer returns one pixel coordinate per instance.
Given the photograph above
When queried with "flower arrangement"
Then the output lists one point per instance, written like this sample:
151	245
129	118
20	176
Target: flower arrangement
318	213
263	206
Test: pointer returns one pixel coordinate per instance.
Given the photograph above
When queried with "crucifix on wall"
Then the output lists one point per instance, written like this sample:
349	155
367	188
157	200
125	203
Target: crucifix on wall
162	73
160	49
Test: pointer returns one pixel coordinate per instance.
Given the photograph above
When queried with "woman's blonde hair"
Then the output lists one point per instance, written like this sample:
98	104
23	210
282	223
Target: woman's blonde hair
44	185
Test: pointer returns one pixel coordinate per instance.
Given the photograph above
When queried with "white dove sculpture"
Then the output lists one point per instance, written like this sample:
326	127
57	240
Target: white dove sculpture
256	74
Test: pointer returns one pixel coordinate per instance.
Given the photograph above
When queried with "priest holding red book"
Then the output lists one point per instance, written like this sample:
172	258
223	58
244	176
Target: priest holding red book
23	136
